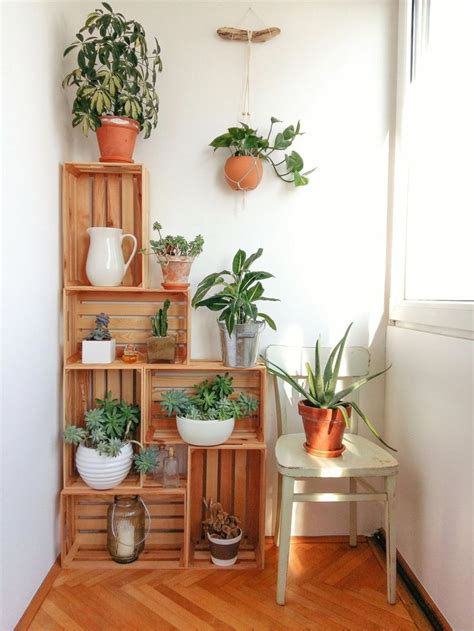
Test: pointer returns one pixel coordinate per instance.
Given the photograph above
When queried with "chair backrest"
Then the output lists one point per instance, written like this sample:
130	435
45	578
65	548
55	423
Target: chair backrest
293	359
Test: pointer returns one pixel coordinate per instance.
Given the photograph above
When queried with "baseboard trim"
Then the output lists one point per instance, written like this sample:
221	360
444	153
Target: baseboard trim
30	612
416	589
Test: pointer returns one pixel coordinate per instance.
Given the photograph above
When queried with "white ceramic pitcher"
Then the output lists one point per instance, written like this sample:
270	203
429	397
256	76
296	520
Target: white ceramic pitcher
105	265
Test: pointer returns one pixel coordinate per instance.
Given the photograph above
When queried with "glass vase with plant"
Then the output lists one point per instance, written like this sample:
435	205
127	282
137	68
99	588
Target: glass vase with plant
243	170
115	81
240	320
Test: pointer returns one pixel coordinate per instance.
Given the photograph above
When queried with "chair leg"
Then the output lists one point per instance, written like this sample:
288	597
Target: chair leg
352	515
285	534
391	545
276	536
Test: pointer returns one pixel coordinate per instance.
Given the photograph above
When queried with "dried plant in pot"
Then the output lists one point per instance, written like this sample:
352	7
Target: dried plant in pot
99	347
206	417
223	532
240	321
324	409
104	453
161	347
175	255
115	82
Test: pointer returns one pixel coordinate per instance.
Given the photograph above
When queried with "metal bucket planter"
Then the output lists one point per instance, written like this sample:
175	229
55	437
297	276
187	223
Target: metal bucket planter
240	350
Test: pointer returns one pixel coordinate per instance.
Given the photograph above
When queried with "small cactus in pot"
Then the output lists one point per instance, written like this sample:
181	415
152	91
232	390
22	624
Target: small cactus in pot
161	347
98	347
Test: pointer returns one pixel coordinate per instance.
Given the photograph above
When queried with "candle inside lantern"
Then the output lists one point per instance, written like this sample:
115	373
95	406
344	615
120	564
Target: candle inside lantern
125	539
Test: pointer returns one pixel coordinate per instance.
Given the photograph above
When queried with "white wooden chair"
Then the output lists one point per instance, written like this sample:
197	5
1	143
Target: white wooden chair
361	458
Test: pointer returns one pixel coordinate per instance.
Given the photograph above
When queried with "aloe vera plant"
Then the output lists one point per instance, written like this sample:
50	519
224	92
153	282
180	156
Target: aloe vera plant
321	391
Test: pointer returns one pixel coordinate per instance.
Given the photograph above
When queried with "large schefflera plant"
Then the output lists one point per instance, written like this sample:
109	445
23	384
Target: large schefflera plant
321	390
108	427
115	73
241	290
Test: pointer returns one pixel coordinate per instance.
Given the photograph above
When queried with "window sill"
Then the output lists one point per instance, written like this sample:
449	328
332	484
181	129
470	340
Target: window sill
454	319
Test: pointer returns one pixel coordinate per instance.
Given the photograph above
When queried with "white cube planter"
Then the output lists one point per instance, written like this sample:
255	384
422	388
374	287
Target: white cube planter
94	352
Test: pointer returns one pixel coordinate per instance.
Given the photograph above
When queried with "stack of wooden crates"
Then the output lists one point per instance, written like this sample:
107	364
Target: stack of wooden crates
117	195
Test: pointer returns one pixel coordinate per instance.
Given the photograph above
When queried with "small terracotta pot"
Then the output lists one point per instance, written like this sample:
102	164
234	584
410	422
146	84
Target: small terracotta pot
243	173
176	270
161	349
324	429
116	137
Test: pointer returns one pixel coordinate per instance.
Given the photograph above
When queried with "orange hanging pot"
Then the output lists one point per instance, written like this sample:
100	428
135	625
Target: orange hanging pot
116	137
243	173
324	429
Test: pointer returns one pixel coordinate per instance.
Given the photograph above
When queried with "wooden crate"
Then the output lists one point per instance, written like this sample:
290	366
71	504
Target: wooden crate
160	428
234	476
81	388
84	531
104	195
129	313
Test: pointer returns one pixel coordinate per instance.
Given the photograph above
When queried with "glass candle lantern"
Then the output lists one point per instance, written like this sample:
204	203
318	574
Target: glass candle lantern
126	528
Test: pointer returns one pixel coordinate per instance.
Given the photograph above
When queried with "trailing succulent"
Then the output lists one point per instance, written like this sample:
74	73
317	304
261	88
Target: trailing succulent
108	427
218	523
241	290
175	246
115	74
159	322
101	332
210	401
321	391
245	141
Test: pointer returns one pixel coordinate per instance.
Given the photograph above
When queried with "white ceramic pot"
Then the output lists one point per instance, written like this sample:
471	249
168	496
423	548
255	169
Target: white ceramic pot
98	352
103	472
105	265
224	552
204	433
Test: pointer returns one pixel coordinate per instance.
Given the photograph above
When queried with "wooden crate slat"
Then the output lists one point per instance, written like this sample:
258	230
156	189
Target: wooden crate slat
83	221
99	217
128	226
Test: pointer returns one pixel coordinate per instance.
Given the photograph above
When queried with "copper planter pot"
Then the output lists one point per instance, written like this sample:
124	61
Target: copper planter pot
324	429
116	137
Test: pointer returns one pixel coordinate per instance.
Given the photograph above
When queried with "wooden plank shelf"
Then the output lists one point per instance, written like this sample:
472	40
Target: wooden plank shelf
247	559
246	440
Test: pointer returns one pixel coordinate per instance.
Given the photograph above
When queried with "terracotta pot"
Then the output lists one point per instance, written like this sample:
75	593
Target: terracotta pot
161	349
324	429
176	270
116	137
243	173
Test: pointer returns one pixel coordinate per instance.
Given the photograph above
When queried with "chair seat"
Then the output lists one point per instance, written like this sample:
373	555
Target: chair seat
361	457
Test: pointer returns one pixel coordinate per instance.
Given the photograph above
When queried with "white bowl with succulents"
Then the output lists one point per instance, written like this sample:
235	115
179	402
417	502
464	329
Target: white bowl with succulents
104	453
207	416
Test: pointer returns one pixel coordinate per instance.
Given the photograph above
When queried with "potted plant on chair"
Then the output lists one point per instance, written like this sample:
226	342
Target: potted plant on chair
324	409
115	82
240	321
161	347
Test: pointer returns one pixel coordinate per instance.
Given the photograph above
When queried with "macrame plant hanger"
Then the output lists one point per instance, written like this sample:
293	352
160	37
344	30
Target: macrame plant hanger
236	34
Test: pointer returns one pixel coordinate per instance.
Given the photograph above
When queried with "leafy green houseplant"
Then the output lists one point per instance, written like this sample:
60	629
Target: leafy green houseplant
243	170
240	320
104	455
324	409
175	255
207	416
115	81
98	347
161	347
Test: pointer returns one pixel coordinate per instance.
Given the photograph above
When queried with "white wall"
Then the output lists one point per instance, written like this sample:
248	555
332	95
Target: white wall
429	416
35	131
333	68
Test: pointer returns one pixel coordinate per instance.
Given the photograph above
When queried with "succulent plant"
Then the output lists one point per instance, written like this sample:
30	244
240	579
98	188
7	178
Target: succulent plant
159	322
218	523
175	245
101	331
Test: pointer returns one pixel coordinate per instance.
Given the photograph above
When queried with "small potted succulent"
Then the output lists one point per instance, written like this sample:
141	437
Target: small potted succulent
104	446
223	533
115	82
243	170
98	347
240	321
207	416
175	255
161	347
324	409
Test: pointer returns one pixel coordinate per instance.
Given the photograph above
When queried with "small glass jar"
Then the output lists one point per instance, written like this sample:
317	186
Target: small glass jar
130	354
126	528
170	470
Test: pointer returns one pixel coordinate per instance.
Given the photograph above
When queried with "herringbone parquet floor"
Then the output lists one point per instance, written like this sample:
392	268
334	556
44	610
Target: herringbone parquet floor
331	587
